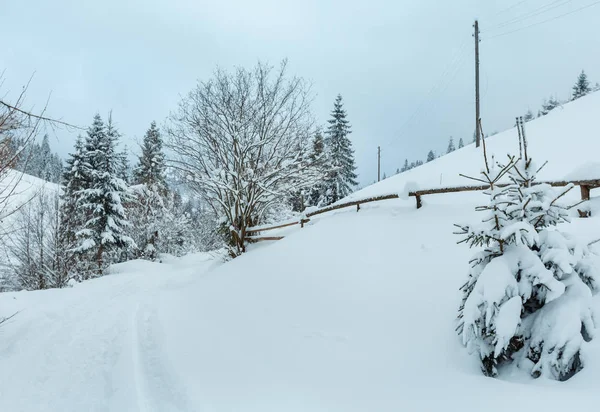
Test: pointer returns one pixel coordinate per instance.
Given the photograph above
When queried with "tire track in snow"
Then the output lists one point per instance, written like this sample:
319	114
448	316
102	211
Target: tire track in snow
157	387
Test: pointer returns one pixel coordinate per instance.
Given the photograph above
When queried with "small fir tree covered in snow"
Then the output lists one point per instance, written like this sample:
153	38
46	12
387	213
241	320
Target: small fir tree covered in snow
527	297
460	143
451	147
430	156
406	166
581	87
149	211
104	233
318	159
528	116
549	105
75	178
341	179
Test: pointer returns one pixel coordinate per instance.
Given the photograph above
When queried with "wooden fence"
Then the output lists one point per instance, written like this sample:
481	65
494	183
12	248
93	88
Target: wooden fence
585	186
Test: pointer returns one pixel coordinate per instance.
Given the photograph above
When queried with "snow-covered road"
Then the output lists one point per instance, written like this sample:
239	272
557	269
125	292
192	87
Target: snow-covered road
355	312
96	347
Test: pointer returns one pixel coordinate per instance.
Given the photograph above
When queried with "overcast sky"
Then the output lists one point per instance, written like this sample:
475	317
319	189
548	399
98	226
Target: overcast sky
404	68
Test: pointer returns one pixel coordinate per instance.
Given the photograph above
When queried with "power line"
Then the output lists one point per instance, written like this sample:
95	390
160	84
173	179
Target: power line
546	21
444	80
535	12
510	7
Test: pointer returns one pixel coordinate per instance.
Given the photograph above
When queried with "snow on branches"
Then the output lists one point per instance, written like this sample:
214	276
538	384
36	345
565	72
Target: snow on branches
528	292
240	140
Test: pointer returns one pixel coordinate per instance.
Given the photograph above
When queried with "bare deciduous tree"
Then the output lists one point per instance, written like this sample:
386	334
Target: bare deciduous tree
240	139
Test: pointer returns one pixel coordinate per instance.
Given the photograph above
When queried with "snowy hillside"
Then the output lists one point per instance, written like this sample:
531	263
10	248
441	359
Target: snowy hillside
17	188
355	312
567	138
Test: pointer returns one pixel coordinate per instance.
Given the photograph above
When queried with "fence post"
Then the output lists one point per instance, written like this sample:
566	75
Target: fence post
585	195
419	203
358	207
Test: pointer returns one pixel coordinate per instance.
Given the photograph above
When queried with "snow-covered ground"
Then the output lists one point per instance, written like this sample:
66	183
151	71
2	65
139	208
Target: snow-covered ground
355	312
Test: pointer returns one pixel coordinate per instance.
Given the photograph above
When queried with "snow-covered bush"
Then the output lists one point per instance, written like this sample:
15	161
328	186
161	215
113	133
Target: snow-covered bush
528	291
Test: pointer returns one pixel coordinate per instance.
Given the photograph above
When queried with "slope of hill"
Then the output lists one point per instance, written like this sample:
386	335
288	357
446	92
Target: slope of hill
567	138
355	312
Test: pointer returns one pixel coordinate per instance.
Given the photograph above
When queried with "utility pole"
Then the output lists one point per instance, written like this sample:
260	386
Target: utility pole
378	163
477	113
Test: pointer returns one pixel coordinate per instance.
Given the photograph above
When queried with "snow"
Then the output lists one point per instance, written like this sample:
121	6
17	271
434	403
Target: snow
571	157
354	312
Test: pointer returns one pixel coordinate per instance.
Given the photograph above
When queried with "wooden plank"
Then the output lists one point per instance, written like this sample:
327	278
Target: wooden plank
354	203
589	183
252	230
262	238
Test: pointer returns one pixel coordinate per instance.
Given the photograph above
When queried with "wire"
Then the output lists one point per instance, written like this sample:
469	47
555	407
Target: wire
510	8
440	85
536	12
546	21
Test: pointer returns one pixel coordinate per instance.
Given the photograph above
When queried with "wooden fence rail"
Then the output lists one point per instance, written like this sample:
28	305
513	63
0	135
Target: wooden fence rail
585	185
357	203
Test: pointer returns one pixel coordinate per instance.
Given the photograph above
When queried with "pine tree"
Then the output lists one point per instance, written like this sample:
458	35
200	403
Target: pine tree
384	176
45	160
75	179
451	147
123	166
103	235
549	105
581	87
525	264
398	171
150	212
430	156
406	166
318	158
342	179
151	168
528	116
460	143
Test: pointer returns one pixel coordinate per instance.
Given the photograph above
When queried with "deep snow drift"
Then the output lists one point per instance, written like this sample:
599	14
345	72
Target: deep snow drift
355	312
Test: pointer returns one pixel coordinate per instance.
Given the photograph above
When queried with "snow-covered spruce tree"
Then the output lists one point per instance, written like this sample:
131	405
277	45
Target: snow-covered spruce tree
405	167
460	143
581	87
103	236
341	179
451	147
235	139
75	178
549	105
149	213
319	159
528	116
430	156
528	291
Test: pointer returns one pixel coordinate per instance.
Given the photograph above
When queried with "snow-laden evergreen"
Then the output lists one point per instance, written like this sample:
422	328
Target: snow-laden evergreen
430	156
451	147
581	87
549	105
460	143
528	293
103	236
151	217
341	180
